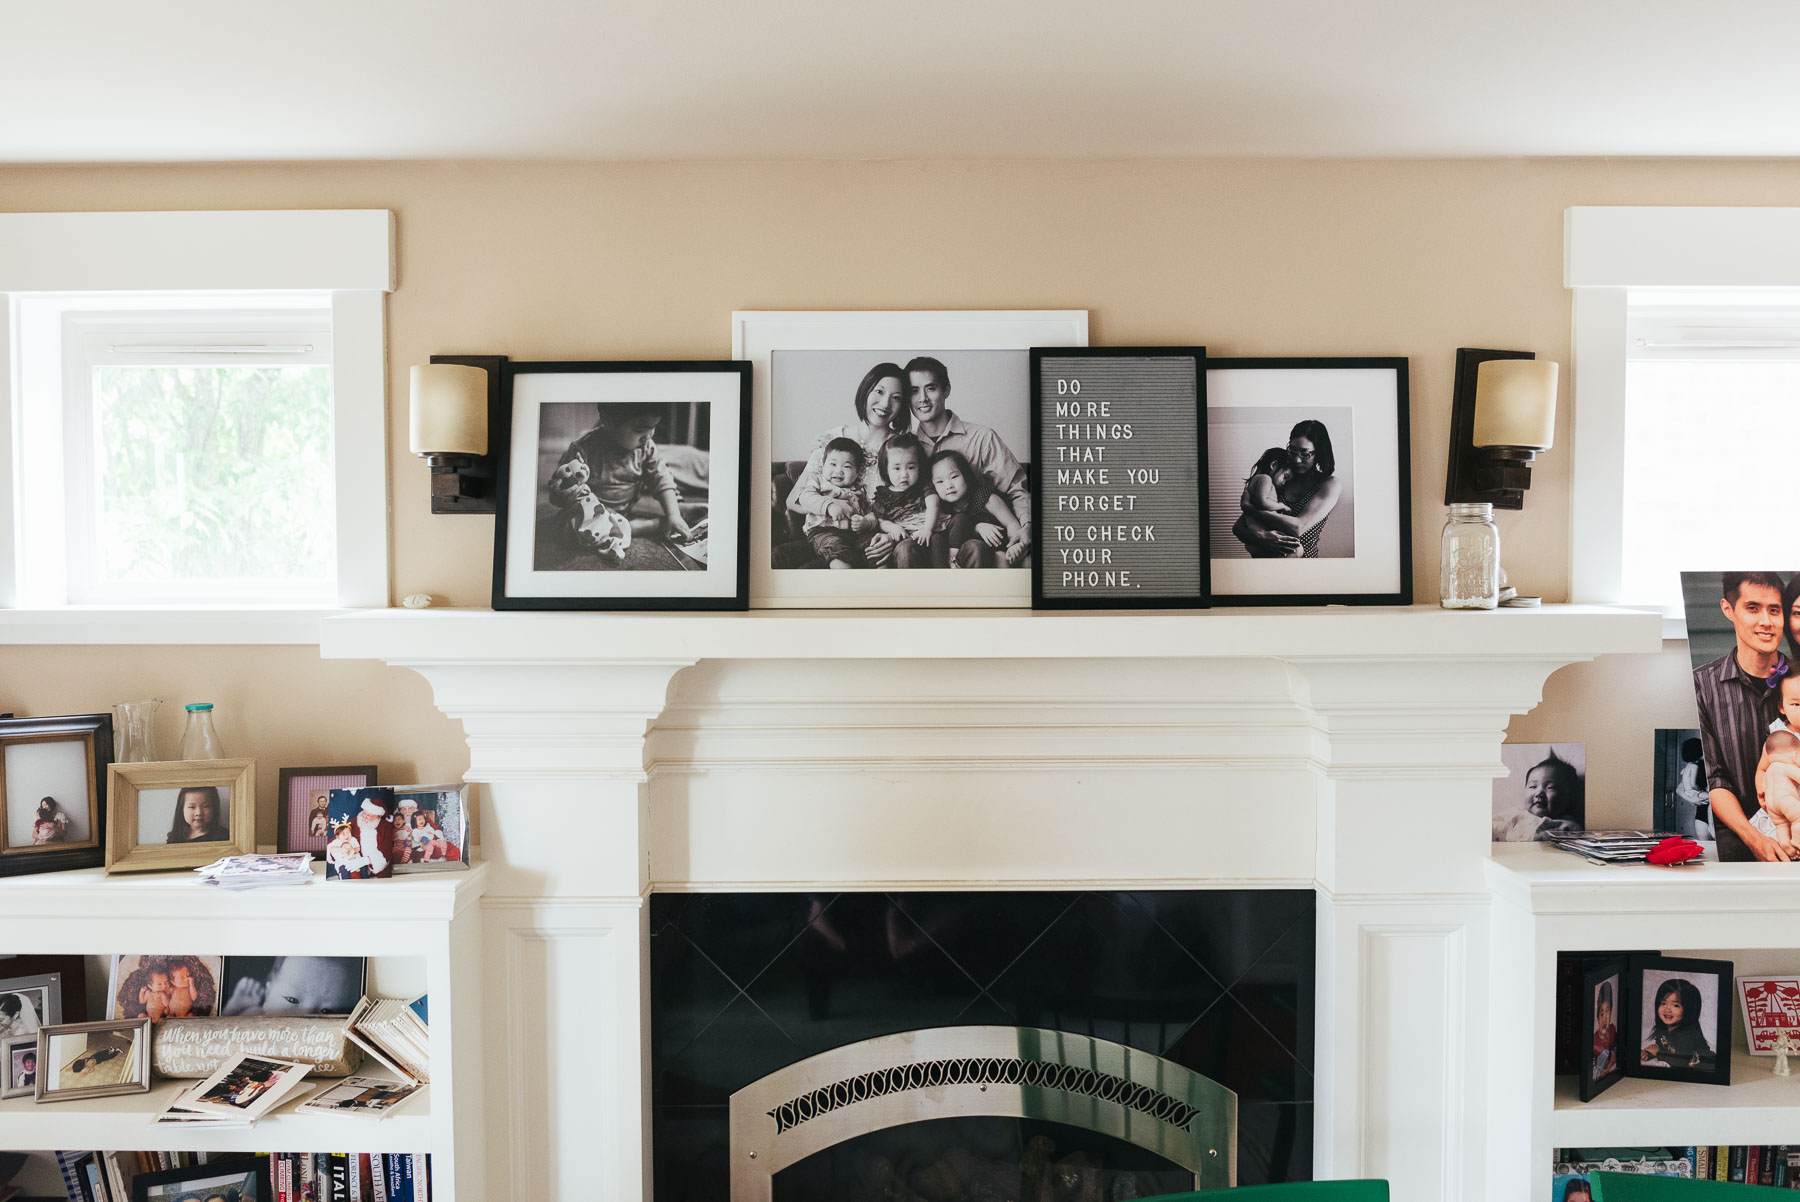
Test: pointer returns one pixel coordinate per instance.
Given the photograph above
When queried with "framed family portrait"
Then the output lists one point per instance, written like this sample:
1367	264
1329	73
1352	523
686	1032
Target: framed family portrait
1680	1019
1309	481
622	485
431	828
898	447
1119	437
303	807
93	1060
1744	642
180	814
53	792
1602	1063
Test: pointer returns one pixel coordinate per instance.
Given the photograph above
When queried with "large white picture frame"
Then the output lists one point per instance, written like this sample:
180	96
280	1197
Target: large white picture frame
896	337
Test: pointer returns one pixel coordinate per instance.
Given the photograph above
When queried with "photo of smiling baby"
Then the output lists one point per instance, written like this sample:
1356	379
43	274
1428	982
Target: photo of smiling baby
1543	793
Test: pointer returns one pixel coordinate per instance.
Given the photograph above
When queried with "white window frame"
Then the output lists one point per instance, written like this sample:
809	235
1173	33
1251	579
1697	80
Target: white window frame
348	253
1607	252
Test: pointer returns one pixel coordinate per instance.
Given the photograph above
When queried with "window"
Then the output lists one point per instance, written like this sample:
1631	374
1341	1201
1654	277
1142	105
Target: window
196	460
193	417
1686	392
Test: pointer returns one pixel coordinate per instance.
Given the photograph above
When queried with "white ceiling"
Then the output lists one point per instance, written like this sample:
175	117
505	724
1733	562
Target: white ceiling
126	80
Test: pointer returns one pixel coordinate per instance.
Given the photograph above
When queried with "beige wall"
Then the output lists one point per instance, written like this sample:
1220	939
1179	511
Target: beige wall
1248	257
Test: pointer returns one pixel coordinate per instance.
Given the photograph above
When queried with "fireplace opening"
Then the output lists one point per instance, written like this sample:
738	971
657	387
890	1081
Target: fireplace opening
981	1159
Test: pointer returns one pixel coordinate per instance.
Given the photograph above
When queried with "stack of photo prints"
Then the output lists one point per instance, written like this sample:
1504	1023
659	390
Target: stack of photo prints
951	459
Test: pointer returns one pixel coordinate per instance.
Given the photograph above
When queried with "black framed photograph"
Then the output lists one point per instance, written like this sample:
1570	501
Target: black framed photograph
1602	991
623	485
1120	510
304	805
228	1182
898	446
53	792
1679	1019
1309	481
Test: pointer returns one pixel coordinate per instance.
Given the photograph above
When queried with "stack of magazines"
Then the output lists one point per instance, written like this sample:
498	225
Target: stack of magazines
394	1032
258	872
1610	847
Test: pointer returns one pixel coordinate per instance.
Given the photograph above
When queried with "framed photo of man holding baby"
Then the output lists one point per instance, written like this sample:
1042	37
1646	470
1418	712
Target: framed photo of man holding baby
899	450
621	486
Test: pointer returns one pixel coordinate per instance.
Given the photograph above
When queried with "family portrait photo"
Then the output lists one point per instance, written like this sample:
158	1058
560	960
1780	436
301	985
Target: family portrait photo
47	795
1308	487
196	814
1743	637
622	484
292	984
431	832
304	809
1683	805
1683	1020
159	987
1543	793
904	462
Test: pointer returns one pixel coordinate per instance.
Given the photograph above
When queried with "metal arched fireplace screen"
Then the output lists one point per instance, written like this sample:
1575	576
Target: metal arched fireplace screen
1004	1072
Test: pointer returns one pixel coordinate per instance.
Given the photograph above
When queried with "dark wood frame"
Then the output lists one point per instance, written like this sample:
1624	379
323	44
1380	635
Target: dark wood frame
1593	972
142	1182
284	800
1403	449
1042	466
96	730
740	600
1725	972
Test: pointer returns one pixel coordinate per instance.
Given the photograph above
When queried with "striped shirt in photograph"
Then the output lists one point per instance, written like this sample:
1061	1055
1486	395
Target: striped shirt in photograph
1735	711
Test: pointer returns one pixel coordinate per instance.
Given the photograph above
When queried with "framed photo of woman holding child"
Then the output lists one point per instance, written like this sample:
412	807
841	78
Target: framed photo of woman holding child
898	447
622	485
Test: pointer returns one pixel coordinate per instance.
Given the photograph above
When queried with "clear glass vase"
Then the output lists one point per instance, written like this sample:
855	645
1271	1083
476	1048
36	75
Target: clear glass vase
1470	568
134	731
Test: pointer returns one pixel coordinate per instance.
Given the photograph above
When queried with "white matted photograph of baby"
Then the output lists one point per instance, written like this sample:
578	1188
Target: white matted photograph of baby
622	486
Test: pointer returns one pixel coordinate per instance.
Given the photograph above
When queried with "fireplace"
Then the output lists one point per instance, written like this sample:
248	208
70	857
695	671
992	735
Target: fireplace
934	1045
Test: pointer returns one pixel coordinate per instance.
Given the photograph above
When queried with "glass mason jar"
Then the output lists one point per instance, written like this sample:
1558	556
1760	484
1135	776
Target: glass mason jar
1470	571
199	741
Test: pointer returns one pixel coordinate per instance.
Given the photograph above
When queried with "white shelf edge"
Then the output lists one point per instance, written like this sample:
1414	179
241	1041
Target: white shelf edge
1757	1108
122	626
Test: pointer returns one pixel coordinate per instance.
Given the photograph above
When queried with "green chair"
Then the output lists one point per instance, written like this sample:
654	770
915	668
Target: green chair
1298	1191
1636	1187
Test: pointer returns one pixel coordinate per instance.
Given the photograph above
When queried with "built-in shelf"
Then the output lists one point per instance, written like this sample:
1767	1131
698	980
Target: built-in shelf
1421	631
1756	1108
123	1123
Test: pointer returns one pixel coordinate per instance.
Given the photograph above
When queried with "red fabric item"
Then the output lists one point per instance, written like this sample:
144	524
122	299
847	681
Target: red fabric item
1673	851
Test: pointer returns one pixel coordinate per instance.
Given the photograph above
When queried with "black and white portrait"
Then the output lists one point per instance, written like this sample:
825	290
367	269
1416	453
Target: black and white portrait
622	486
23	1009
1308	480
901	460
1683	804
292	984
47	794
196	814
1543	793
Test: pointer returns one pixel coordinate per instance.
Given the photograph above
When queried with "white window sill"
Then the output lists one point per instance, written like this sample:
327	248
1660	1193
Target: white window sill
128	625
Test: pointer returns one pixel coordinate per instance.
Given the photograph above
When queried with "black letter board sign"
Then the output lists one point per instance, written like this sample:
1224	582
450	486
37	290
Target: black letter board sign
1118	436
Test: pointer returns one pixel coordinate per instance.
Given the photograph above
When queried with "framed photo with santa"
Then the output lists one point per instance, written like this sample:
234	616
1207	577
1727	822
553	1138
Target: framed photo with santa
361	846
431	828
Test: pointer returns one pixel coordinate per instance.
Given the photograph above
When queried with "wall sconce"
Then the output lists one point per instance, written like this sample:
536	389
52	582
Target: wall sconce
455	408
1502	415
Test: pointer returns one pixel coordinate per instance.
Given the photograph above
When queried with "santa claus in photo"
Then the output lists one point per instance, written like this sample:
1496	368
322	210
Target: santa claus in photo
374	831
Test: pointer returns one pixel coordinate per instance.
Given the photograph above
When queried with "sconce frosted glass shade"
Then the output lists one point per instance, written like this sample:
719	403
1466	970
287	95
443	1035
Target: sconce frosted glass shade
449	410
1515	403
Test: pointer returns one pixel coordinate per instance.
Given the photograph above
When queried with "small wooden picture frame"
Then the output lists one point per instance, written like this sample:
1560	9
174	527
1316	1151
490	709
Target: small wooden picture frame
53	792
300	789
72	1051
180	814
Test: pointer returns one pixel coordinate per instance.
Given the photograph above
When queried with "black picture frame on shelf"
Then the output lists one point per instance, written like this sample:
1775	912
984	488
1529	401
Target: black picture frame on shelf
1341	427
63	761
1709	983
579	521
1600	1064
216	1176
1119	513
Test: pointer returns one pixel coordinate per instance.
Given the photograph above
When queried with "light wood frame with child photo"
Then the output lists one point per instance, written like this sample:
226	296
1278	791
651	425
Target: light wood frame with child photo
223	793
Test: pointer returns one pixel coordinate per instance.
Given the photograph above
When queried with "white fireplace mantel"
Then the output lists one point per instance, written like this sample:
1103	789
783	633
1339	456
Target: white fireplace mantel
1351	751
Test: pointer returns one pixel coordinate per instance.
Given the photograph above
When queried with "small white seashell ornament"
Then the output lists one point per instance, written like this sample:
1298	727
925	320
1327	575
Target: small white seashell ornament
416	601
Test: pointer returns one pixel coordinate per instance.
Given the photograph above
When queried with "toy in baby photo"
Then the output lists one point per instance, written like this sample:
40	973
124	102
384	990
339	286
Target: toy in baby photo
598	528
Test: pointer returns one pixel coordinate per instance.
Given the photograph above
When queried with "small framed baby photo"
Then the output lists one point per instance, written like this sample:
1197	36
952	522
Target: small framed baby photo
1602	991
1679	1015
53	791
18	1064
623	485
304	805
431	828
180	814
93	1060
1543	793
159	987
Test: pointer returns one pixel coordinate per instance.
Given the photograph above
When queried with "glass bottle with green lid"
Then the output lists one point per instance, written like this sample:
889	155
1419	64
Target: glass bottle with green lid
199	741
